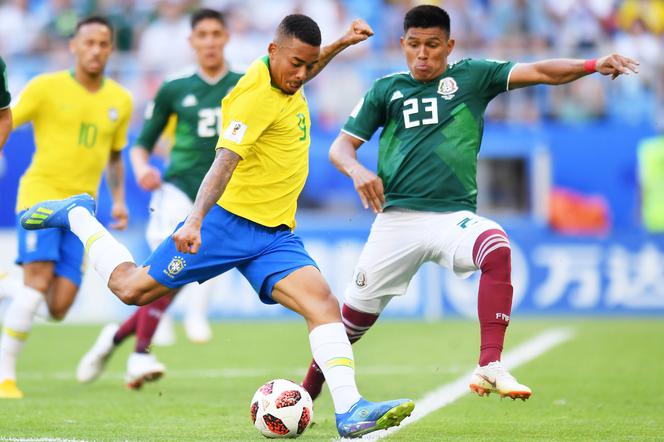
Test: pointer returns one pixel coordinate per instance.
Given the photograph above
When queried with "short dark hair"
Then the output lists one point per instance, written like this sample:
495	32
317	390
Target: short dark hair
205	13
301	27
98	19
427	16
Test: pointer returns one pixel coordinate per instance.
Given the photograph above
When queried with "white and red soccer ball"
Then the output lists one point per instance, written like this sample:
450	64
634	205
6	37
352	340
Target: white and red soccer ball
281	408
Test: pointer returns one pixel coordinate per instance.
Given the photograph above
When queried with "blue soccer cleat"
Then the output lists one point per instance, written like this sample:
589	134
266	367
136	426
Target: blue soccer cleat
49	214
365	417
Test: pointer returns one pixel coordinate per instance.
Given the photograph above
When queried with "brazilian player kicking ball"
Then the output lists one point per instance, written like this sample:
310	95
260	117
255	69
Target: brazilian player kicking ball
5	100
80	119
425	190
194	101
244	215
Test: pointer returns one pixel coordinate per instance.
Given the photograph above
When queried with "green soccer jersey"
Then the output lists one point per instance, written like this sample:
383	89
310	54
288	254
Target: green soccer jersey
5	98
431	133
196	104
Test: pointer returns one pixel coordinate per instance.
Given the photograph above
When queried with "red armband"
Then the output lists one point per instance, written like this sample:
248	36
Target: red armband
590	66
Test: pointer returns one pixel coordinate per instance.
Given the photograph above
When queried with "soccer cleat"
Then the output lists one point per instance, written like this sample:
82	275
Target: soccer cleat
9	390
365	417
494	377
49	214
141	368
93	362
198	329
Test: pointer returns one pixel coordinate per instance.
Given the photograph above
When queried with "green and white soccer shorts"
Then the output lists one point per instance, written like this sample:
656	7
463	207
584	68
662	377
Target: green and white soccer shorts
400	241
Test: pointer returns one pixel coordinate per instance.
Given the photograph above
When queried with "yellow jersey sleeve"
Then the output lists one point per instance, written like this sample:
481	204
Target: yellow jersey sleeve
28	103
120	140
242	121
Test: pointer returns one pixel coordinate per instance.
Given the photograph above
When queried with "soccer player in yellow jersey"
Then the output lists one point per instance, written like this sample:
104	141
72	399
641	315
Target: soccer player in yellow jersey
244	214
80	121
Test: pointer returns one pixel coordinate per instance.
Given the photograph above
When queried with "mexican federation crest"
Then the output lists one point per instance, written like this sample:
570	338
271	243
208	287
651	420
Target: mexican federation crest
175	266
447	88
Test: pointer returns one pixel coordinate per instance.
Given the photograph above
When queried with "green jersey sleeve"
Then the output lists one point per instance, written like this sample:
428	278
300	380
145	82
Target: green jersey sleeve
368	115
492	76
5	97
156	117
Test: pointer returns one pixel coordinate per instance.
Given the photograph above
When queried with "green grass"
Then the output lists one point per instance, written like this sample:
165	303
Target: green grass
602	385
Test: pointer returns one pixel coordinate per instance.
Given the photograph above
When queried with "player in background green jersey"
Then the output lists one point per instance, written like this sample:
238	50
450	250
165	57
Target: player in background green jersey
425	190
5	99
194	100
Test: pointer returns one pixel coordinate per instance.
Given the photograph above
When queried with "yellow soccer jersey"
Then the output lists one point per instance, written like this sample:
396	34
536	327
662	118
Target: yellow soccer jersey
75	131
270	131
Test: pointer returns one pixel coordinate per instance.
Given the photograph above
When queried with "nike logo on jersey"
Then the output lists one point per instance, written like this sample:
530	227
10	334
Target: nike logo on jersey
396	96
189	101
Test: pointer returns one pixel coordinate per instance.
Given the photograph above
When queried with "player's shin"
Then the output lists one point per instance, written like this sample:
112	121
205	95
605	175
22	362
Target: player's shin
105	253
332	352
494	304
17	324
356	323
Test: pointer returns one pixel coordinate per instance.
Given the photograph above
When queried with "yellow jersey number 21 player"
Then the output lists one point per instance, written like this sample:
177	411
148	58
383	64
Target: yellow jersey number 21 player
80	120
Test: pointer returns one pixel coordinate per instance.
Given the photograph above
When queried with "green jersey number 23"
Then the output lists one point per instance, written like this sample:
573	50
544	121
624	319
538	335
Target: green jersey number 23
411	112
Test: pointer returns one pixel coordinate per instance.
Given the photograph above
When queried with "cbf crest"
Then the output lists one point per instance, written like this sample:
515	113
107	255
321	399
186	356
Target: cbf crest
175	266
447	88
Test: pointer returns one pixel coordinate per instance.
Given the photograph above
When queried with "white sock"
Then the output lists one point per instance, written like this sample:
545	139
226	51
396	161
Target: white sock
334	355
17	325
105	253
9	286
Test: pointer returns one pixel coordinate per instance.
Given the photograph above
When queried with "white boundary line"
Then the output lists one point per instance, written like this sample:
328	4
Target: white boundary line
448	393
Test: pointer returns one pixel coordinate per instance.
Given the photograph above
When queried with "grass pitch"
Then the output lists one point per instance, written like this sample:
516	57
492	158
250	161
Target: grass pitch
601	385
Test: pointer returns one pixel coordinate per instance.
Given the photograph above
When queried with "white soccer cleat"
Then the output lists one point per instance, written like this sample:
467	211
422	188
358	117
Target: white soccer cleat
141	368
93	362
164	336
494	377
198	329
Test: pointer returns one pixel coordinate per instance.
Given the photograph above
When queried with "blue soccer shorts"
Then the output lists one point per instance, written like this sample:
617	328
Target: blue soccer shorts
264	255
57	245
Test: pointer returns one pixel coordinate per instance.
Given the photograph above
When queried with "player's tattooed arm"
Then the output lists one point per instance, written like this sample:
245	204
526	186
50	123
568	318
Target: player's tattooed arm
115	180
564	70
358	32
188	237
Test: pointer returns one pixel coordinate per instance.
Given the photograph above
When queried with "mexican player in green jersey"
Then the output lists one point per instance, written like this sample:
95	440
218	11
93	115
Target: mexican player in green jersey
194	100
5	99
425	191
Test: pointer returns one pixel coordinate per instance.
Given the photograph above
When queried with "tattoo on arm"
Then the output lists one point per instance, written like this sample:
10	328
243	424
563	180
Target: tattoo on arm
326	55
215	182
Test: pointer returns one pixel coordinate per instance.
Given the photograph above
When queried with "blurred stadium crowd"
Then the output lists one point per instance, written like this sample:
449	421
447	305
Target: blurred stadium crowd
152	45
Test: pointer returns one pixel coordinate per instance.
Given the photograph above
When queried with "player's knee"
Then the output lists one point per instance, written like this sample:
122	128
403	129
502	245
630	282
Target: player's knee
41	283
498	263
130	295
57	313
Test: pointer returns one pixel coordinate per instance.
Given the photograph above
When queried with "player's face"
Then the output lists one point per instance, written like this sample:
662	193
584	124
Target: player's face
208	39
290	62
92	45
426	51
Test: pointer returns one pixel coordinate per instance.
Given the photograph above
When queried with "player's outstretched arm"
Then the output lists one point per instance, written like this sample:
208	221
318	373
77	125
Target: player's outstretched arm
115	180
369	186
5	126
188	237
564	70
358	32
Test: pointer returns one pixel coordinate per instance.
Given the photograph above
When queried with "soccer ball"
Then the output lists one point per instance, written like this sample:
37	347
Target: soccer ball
281	408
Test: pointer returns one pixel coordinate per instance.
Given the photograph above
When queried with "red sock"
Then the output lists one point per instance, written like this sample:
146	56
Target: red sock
357	323
148	319
492	255
126	329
